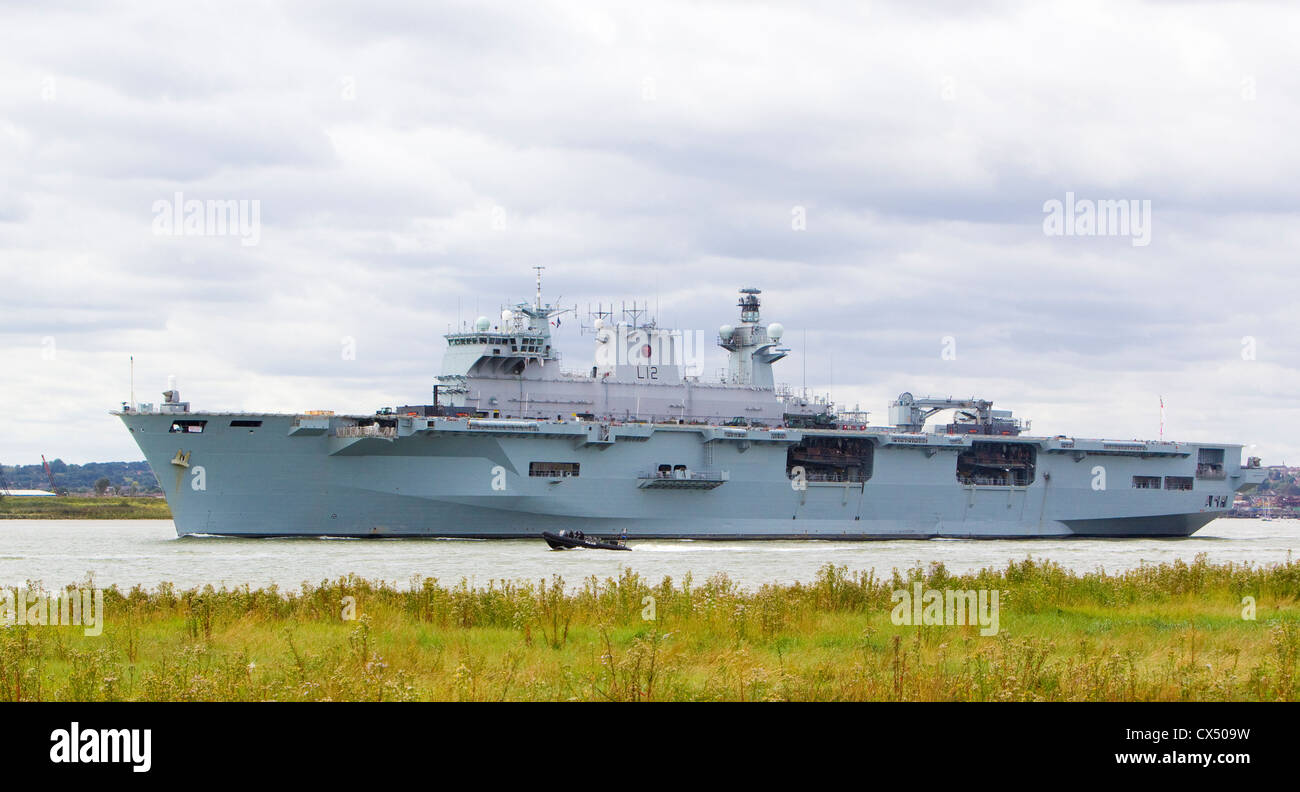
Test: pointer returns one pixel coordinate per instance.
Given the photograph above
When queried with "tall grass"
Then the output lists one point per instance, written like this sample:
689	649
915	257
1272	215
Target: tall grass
1166	632
83	507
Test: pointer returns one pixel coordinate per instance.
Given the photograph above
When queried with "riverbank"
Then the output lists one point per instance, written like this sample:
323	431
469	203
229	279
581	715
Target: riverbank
1169	632
82	507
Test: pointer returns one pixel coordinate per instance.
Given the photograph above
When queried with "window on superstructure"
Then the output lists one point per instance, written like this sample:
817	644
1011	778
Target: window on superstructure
848	459
1178	482
553	469
1146	482
997	464
1209	464
187	426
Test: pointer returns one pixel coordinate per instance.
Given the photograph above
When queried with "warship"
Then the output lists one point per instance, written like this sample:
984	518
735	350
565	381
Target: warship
640	445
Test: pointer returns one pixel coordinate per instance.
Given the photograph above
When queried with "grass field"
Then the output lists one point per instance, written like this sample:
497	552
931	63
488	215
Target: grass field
81	507
1171	632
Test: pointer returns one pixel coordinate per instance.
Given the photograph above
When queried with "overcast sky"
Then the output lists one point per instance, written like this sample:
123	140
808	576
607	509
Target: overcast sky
880	170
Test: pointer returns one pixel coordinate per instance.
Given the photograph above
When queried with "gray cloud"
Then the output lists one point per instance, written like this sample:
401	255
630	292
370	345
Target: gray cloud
412	162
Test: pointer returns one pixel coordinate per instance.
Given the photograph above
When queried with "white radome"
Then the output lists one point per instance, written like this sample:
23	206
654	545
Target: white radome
726	330
775	331
482	323
599	323
507	315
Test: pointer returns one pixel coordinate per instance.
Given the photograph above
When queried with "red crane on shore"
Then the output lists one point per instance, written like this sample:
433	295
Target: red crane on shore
50	475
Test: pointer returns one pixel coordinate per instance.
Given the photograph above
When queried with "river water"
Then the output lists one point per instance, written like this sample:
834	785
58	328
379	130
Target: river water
147	552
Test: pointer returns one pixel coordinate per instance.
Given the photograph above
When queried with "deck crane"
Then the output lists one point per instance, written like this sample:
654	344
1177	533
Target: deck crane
909	414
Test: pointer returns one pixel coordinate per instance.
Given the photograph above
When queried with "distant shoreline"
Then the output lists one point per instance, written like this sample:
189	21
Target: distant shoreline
83	507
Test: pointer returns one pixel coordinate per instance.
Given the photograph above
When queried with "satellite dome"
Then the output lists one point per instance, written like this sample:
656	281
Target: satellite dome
726	330
507	315
482	323
599	324
775	331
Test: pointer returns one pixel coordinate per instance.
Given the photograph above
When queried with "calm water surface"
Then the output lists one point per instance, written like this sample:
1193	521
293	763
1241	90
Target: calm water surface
147	552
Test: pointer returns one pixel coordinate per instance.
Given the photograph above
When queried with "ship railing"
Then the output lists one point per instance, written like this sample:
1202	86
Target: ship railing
508	424
997	461
373	430
993	481
839	478
687	475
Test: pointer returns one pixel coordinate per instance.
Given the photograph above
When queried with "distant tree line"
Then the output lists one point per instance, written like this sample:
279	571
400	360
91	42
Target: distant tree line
117	478
1279	483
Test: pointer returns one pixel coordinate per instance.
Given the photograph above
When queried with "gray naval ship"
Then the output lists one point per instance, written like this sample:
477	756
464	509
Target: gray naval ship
639	444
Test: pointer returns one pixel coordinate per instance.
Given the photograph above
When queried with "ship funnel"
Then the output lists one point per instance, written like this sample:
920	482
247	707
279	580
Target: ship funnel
171	395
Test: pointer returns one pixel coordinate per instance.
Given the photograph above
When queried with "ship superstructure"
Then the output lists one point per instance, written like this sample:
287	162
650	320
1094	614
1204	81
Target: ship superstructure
640	442
511	369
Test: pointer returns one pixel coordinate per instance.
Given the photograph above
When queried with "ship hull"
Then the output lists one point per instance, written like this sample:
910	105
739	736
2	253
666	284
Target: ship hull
299	476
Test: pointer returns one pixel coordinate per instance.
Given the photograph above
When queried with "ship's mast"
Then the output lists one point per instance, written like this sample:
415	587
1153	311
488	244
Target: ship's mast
752	348
539	269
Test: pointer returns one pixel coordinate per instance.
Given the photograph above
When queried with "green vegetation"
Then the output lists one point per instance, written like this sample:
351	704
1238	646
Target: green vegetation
1169	632
1281	483
124	478
73	507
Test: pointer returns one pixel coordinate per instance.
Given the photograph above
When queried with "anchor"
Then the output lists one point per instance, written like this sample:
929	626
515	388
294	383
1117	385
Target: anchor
181	461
